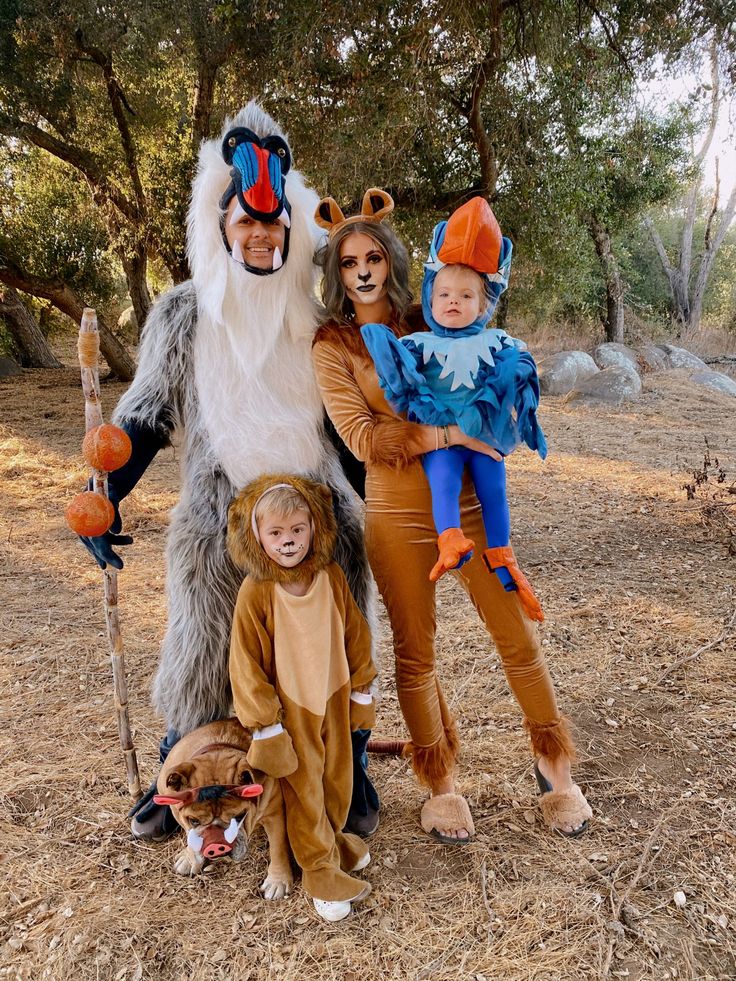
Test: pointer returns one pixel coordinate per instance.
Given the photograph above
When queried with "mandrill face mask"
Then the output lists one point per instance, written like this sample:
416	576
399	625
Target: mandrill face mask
257	219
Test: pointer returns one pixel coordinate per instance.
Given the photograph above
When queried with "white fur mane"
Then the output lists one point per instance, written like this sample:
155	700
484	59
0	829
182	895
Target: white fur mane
256	388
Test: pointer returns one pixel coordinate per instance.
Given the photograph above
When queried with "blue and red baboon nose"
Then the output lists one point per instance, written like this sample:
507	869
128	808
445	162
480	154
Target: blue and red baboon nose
261	180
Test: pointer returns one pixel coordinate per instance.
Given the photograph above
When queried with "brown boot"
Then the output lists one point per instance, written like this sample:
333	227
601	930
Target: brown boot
452	545
494	558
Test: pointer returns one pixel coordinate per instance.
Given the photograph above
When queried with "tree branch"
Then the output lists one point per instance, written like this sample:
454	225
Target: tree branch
471	107
118	104
612	42
723	635
78	158
715	104
659	246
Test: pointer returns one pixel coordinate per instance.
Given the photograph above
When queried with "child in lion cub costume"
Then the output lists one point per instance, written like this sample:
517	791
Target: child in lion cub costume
300	668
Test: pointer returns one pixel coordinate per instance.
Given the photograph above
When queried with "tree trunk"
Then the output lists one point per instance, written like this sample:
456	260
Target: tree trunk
712	244
471	107
204	99
115	353
687	301
680	305
614	320
65	299
33	348
179	269
135	266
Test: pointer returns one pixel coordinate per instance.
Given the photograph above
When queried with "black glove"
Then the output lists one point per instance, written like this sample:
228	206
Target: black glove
146	443
101	546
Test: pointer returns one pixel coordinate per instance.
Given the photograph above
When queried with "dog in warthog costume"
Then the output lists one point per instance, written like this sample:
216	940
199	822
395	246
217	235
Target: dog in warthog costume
214	796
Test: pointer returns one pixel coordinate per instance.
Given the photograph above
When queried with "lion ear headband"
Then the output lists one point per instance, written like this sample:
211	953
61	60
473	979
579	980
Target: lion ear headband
377	204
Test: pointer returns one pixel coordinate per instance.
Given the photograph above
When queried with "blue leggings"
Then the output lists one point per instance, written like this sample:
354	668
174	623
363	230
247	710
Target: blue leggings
444	470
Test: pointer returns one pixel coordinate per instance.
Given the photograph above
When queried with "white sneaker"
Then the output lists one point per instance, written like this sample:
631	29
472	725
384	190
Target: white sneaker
362	863
332	911
336	910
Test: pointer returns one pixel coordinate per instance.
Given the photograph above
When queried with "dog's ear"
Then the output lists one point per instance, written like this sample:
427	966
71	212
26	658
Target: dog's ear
180	778
249	790
245	777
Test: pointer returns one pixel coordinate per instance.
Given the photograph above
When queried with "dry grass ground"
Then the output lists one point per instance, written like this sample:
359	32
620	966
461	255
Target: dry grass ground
634	578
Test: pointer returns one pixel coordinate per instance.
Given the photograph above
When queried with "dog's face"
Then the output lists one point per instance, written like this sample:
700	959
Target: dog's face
211	798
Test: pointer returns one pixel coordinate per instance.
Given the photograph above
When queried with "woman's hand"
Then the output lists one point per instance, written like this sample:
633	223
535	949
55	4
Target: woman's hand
431	438
459	438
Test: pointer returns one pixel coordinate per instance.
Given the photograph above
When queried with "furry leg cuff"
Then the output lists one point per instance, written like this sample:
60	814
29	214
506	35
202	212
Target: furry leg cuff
433	763
552	739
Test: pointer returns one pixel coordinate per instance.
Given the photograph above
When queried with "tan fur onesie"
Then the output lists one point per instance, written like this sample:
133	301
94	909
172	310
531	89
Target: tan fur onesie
295	660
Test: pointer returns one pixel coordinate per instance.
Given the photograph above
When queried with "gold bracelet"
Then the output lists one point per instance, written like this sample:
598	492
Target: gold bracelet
446	436
436	438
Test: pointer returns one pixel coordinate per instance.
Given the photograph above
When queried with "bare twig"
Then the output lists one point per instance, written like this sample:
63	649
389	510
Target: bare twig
726	632
484	893
617	901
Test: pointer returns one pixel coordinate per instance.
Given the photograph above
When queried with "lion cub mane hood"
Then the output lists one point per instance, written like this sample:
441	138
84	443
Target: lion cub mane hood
244	547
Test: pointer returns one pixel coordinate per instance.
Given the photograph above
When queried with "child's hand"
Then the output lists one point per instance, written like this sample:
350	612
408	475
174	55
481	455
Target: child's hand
273	755
478	446
362	710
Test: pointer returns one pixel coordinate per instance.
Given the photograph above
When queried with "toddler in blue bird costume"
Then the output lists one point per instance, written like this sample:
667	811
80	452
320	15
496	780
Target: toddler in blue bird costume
463	372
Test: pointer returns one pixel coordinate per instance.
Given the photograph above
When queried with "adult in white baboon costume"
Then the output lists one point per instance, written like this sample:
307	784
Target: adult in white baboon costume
225	359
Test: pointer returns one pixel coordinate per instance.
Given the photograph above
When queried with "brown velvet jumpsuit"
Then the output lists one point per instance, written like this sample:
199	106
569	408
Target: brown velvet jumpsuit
401	544
296	659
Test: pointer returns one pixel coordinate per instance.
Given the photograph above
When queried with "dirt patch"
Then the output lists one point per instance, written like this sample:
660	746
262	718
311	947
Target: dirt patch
634	579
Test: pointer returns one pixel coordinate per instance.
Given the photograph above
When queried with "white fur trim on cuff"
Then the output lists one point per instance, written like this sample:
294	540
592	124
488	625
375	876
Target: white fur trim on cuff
361	697
268	731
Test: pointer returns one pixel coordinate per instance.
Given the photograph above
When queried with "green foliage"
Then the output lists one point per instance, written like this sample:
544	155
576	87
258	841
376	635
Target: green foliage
531	103
51	227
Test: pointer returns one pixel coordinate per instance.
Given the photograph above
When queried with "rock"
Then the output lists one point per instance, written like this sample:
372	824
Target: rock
560	373
611	355
679	357
8	367
715	380
680	899
128	325
653	358
615	385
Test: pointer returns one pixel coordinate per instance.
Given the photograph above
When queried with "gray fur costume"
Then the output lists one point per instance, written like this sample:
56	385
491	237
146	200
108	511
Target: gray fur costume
225	359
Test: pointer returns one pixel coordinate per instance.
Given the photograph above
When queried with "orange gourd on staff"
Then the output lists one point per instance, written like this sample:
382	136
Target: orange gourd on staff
106	447
90	514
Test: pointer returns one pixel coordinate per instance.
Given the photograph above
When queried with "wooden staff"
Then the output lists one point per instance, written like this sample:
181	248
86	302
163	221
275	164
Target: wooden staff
88	346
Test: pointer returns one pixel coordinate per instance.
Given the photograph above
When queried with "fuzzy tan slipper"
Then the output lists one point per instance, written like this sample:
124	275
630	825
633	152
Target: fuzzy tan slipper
447	811
561	807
